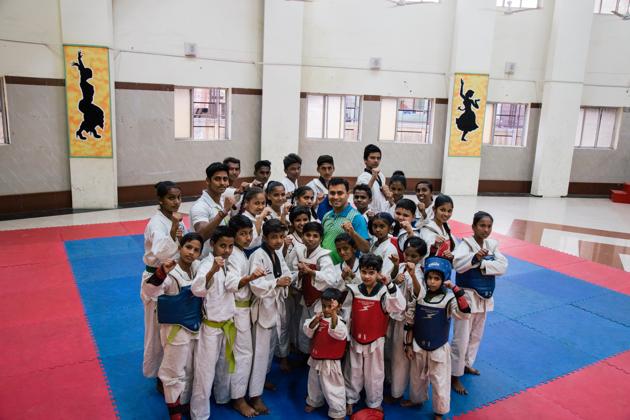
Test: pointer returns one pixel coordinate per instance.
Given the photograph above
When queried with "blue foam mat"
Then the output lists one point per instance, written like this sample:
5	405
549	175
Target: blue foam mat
535	334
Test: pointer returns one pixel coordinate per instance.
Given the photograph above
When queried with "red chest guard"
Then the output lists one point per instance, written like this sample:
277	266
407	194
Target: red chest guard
325	347
310	293
369	321
401	255
438	251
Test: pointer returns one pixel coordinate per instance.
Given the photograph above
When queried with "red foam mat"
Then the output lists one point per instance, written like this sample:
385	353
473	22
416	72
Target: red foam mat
69	392
546	257
599	391
599	274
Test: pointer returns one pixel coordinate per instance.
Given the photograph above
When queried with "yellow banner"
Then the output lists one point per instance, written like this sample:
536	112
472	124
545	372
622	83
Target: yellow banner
468	109
88	101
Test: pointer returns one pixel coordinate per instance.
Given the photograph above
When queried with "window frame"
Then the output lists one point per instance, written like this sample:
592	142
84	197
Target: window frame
503	5
493	106
597	8
324	119
4	117
191	108
616	128
396	139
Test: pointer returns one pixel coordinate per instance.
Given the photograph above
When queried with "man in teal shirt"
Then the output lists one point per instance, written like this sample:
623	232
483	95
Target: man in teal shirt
343	218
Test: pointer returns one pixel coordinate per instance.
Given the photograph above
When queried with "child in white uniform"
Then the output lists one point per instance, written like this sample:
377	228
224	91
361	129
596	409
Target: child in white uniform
380	227
328	334
369	305
161	243
477	260
178	342
426	345
253	207
268	308
437	233
216	284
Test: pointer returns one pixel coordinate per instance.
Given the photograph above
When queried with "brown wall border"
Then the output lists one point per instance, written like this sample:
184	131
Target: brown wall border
535	105
514	187
24	203
34	81
592	188
246	91
375	98
144	86
441	101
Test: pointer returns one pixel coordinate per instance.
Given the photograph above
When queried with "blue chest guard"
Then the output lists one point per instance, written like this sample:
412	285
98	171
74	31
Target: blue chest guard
431	326
476	280
182	309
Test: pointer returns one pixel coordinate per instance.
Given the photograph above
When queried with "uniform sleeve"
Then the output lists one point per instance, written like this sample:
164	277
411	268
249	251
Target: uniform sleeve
454	311
364	178
463	257
340	332
388	265
163	246
307	330
198	213
232	278
325	277
393	301
360	227
265	286
428	236
410	310
198	287
151	289
496	267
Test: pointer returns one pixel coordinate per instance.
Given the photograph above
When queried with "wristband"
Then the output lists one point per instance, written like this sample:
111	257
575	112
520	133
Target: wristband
457	291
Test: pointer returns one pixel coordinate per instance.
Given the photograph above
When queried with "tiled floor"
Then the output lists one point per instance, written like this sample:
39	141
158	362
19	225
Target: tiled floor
596	229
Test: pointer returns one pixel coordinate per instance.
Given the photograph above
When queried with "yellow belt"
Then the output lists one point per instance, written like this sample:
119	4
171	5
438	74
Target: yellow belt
245	303
229	330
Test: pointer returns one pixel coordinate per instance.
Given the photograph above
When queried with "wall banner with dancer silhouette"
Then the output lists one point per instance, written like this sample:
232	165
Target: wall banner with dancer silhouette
468	109
88	101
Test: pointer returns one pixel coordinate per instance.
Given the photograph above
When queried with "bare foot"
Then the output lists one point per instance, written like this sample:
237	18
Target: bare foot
284	365
243	408
388	399
349	408
259	405
471	370
309	408
458	386
270	386
409	404
437	416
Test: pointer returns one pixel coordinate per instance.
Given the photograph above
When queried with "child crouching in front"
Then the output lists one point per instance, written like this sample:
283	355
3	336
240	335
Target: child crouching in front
369	305
428	323
328	334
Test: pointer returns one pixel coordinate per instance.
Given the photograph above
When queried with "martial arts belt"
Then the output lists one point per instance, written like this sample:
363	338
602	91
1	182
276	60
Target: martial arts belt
245	303
229	330
476	280
182	310
150	269
432	325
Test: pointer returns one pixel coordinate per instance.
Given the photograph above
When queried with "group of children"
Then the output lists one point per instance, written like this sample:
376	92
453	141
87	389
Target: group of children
363	294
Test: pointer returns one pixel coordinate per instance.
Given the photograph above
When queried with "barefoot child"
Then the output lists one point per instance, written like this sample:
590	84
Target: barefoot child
328	335
348	268
477	261
424	210
276	200
426	344
305	196
315	273
253	207
404	215
437	233
369	305
292	169
161	242
380	227
171	282
397	187
325	169
216	284
361	200
373	178
268	308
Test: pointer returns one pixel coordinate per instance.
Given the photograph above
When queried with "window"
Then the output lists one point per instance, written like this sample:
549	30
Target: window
202	112
4	118
610	6
333	117
406	120
506	124
596	128
518	4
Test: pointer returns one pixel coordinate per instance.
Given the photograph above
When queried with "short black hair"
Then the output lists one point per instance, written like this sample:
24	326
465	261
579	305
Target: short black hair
325	159
344	237
191	236
427	183
331	294
215	167
480	215
371	261
296	211
290	159
407	204
273	226
313	227
398	172
221	232
398	178
162	187
260	164
339	181
384	216
231	159
418	244
371	148
363	187
239	222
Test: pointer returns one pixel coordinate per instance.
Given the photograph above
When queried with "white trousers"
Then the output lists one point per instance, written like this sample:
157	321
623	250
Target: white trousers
282	347
265	341
467	334
176	371
153	352
211	344
244	354
365	369
432	367
326	384
304	343
221	386
399	362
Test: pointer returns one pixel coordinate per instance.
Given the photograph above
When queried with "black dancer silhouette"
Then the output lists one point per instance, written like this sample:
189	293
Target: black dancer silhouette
92	115
466	121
